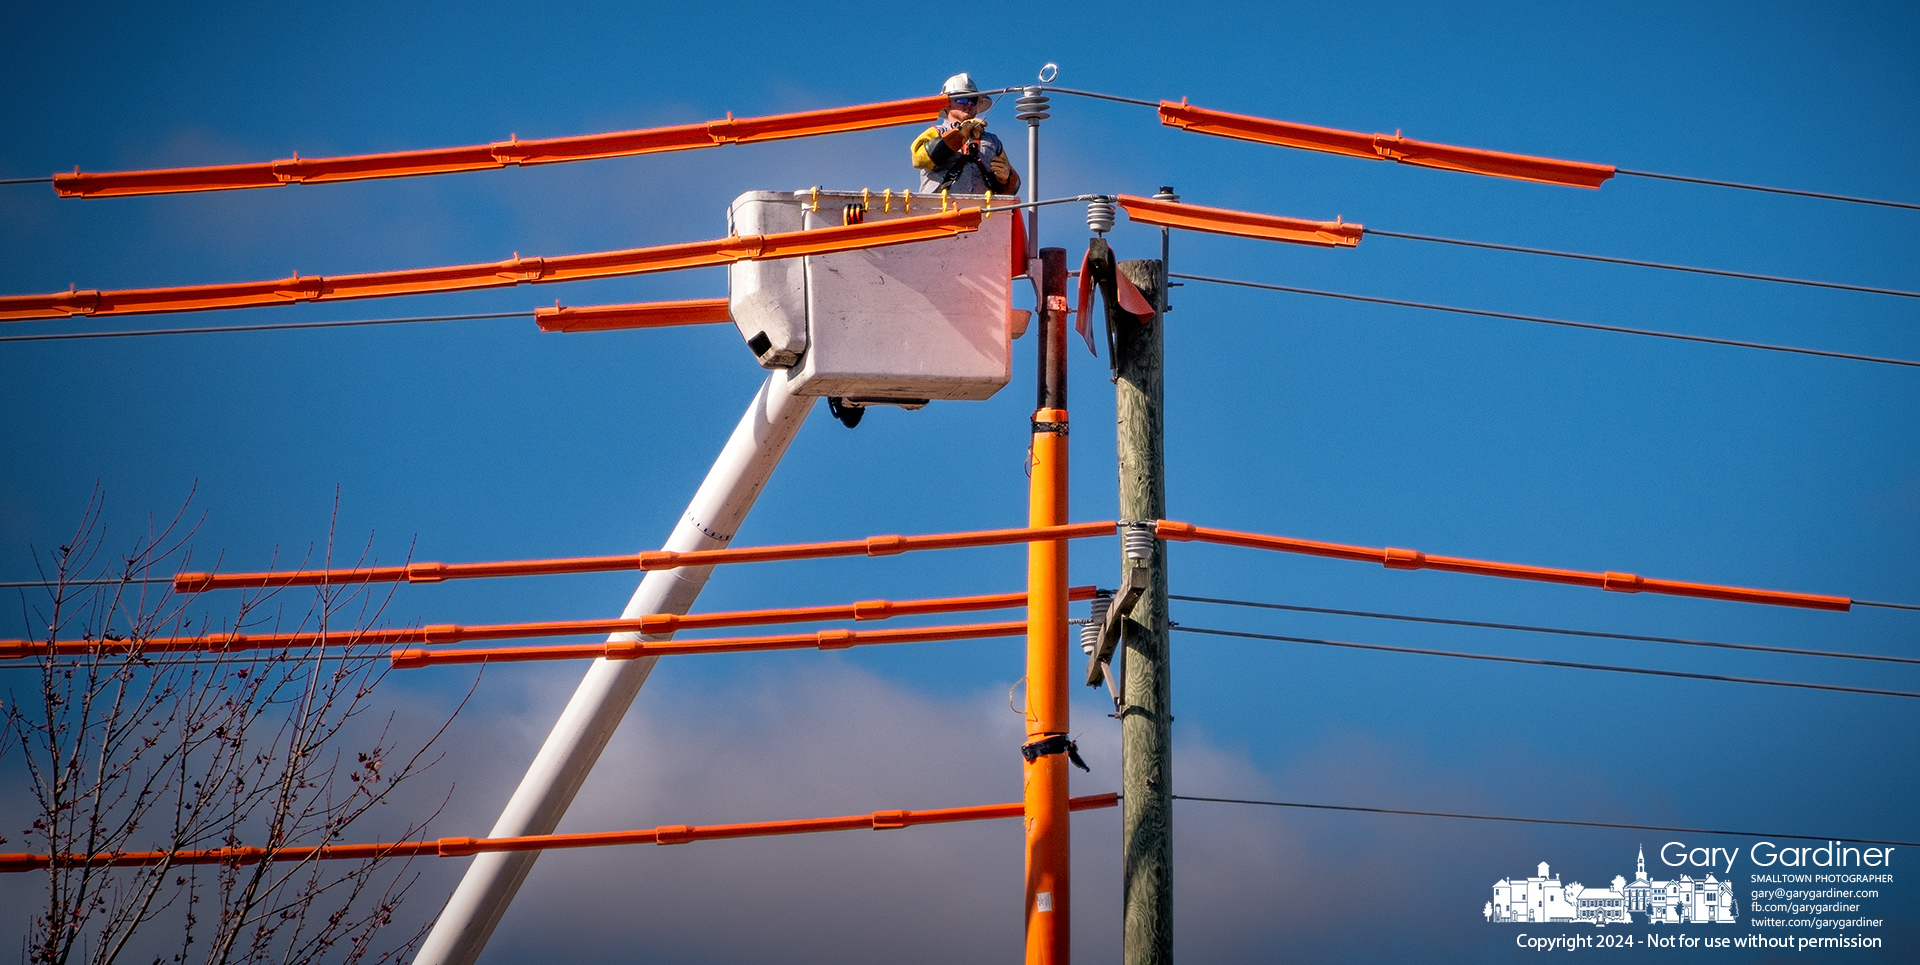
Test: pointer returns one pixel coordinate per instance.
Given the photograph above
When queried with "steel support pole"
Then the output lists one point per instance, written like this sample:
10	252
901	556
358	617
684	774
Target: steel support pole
1048	895
610	686
1033	118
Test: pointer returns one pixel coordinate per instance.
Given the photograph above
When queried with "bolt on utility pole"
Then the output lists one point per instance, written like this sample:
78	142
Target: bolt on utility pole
1146	712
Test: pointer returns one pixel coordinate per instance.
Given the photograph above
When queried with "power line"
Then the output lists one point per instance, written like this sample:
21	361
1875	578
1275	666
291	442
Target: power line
1889	606
1535	629
1539	662
1761	187
351	323
16	584
154	664
1088	93
1542	320
1496	817
1851	199
1827	196
1664	266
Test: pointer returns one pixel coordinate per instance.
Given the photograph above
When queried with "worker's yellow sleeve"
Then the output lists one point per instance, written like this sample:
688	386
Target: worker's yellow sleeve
921	159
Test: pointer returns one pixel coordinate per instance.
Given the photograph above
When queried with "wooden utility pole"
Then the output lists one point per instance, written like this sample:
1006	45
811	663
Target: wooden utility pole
1146	718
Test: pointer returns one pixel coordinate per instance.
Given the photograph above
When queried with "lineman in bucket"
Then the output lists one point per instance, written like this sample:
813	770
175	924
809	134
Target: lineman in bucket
957	154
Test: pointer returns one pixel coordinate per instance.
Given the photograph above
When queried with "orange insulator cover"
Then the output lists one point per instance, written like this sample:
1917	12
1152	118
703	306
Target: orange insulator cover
503	274
479	157
607	318
1246	224
1385	147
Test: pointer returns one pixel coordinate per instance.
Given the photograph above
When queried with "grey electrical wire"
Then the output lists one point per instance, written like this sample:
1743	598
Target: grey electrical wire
1796	651
1104	97
265	327
1889	606
1664	266
1495	817
1761	187
1543	320
46	180
17	584
156	662
1851	199
1539	662
353	323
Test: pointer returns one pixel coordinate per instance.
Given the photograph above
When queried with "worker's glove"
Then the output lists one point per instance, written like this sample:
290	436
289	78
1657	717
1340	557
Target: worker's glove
967	130
1002	171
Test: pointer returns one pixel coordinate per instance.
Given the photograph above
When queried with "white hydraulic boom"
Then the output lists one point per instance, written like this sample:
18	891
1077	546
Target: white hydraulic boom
582	732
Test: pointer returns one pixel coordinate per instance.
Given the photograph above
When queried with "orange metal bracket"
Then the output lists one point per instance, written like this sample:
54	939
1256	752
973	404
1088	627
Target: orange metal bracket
1383	147
1405	559
503	274
1246	224
651	560
633	649
436	633
479	157
458	847
607	318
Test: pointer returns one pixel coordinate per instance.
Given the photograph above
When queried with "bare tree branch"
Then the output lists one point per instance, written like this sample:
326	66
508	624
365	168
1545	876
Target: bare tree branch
127	751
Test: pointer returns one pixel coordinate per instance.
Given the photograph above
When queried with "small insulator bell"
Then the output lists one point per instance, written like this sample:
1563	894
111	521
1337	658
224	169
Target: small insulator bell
1138	542
1097	617
1100	216
1032	105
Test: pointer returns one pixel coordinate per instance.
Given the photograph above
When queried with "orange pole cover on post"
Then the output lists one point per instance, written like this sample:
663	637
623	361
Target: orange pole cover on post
503	274
480	157
1384	147
1245	224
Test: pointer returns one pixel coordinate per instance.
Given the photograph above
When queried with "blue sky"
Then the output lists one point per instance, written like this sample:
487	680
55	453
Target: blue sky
1327	420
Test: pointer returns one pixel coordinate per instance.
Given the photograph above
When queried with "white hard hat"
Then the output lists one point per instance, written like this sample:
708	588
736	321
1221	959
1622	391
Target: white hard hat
960	85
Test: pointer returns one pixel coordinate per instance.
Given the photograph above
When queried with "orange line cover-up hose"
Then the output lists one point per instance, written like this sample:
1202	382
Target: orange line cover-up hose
438	633
634	649
1405	559
650	560
1391	557
1245	224
1383	147
607	318
502	274
480	157
456	847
